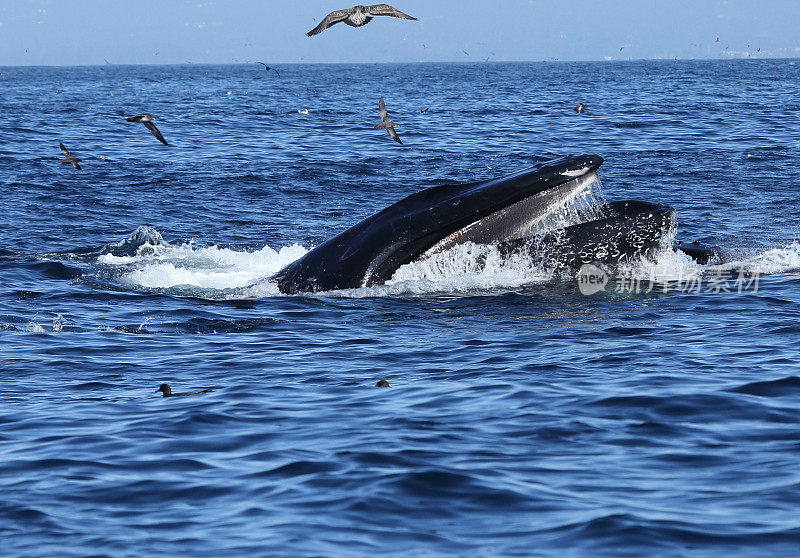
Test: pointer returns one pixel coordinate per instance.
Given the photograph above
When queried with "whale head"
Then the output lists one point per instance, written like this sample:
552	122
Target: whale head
437	218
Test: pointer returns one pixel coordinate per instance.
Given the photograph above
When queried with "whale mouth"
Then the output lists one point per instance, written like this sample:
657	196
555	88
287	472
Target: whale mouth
523	218
511	207
521	207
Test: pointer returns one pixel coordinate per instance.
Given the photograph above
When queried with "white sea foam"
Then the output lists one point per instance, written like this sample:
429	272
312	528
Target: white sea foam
665	265
166	266
464	269
33	327
672	265
775	260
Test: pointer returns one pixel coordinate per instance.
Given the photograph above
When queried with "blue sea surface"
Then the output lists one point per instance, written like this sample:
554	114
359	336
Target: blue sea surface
523	417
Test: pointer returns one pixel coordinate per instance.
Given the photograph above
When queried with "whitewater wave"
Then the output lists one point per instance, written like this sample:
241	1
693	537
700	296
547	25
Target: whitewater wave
149	263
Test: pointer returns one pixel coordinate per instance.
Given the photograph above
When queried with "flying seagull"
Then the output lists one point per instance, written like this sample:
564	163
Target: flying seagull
147	120
68	158
165	389
357	16
579	108
386	122
268	68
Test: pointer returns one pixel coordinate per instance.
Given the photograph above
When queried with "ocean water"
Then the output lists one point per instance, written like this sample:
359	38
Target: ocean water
523	417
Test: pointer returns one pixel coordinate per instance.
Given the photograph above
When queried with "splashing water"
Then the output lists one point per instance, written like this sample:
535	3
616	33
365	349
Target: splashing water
191	269
144	261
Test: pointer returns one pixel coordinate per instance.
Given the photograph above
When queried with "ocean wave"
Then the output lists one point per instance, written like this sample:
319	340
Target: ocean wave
149	263
144	261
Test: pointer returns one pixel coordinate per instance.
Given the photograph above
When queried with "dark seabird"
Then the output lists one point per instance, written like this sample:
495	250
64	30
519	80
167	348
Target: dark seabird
165	389
386	122
147	120
579	108
68	158
382	383
357	16
424	110
268	68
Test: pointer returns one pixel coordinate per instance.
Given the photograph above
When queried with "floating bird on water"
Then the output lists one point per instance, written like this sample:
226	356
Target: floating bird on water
302	111
382	383
386	122
268	68
147	120
165	389
579	108
68	158
357	16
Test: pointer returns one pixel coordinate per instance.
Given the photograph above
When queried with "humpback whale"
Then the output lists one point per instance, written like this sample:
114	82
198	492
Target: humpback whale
510	211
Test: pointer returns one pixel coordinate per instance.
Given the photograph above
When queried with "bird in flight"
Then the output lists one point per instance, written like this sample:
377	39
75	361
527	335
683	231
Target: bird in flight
357	16
267	68
424	110
68	158
386	123
147	120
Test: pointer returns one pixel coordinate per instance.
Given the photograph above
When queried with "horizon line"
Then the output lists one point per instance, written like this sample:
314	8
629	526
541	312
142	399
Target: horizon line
303	63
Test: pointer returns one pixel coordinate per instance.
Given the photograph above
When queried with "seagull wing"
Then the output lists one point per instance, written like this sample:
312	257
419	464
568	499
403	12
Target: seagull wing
75	164
331	19
277	72
393	134
384	112
265	66
152	127
387	10
64	150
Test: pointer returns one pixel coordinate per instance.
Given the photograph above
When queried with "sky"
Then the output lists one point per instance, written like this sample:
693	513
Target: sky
86	32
